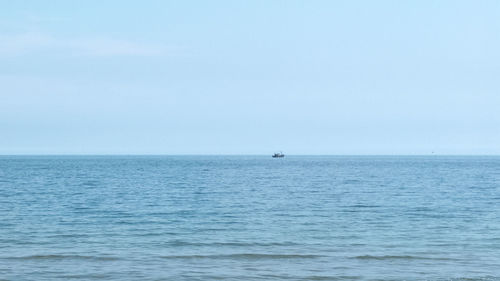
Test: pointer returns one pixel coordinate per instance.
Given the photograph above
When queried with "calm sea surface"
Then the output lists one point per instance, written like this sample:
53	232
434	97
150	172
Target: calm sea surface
249	218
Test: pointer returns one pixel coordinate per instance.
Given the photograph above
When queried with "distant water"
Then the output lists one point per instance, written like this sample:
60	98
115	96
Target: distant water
249	218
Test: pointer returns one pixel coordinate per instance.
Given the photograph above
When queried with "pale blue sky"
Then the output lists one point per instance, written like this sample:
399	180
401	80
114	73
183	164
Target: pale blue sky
249	77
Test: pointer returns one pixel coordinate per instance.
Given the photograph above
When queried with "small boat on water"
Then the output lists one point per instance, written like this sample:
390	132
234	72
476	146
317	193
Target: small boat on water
278	155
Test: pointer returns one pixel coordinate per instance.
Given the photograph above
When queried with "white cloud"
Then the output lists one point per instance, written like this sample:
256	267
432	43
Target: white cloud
112	47
20	44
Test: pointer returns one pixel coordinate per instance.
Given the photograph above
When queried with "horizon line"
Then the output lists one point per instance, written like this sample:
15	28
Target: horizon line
226	154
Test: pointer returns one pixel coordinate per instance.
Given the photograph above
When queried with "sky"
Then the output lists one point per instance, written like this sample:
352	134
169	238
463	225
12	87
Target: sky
250	77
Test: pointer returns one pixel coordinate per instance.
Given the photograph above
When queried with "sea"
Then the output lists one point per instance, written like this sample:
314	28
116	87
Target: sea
249	218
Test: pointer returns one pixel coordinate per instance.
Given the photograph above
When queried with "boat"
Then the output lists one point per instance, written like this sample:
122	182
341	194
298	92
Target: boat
278	155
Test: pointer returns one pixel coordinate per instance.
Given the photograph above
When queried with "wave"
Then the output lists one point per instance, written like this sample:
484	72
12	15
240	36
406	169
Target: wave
488	278
99	276
342	277
60	257
312	277
363	206
400	257
230	244
244	256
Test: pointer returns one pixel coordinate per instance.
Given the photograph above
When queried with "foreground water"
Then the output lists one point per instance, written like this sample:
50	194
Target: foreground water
249	218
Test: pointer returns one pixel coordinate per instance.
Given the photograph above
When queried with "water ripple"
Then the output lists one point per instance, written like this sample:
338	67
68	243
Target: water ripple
63	257
244	256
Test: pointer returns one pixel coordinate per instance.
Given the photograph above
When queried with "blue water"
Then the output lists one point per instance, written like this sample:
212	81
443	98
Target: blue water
249	218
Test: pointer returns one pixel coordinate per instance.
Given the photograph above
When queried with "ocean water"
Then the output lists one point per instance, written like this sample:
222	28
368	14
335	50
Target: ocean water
249	218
